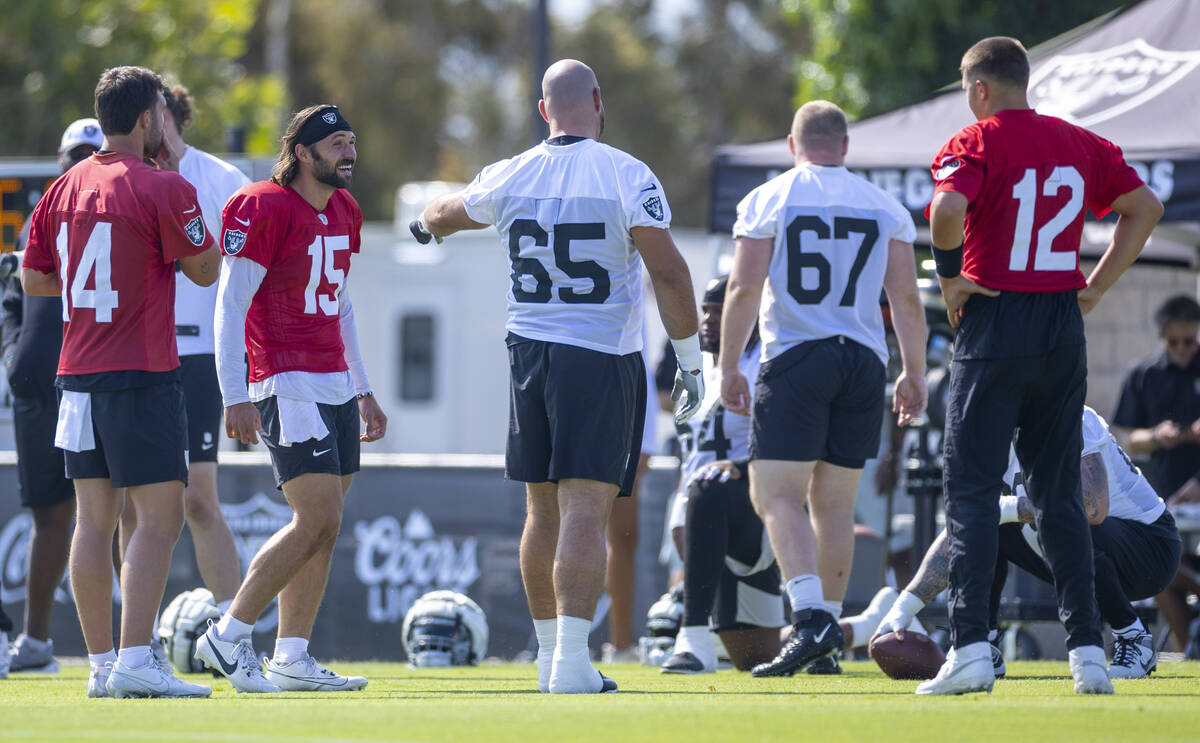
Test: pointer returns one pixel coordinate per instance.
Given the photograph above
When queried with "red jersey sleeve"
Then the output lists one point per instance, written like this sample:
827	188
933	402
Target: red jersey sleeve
248	228
40	249
960	165
179	219
1114	177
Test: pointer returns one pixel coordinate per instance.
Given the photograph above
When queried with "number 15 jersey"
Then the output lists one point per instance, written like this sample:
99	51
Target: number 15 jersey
831	231
293	323
564	213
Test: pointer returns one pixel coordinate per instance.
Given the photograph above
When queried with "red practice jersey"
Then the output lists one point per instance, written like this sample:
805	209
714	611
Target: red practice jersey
112	228
293	323
1028	178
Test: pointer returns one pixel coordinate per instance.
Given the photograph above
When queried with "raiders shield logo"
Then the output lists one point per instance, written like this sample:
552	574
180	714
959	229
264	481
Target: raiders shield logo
1088	88
653	207
195	231
233	241
329	117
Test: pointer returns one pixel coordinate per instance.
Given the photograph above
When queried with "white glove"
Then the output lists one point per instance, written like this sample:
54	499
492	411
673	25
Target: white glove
688	393
900	615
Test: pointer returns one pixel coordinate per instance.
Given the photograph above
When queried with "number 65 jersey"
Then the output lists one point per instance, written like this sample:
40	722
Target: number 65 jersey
564	213
112	228
293	323
831	230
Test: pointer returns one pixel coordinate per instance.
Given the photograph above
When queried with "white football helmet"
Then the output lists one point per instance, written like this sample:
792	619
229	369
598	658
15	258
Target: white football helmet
444	628
662	625
184	620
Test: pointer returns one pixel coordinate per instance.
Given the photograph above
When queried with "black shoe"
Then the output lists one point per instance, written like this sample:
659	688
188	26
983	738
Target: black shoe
684	662
998	667
827	666
607	685
815	634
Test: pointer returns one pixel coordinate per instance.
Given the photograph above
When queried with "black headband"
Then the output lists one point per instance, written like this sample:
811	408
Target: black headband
321	124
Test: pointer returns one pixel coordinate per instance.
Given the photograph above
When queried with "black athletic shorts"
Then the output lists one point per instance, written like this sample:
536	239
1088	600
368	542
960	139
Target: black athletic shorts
202	393
336	454
746	601
41	474
819	400
574	413
141	437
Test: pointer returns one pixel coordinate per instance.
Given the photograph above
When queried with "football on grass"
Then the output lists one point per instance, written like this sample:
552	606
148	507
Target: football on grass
917	657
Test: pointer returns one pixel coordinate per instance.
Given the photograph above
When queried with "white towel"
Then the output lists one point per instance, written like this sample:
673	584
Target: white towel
74	431
299	421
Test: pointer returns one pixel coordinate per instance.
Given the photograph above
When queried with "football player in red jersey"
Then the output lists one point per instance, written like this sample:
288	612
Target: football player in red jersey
121	419
283	302
1006	221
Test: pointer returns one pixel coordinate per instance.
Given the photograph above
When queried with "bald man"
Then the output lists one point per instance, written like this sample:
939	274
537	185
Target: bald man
578	220
824	241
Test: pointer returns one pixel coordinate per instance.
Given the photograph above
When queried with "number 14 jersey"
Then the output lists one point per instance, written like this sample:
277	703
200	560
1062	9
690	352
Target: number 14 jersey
293	323
564	213
112	228
831	230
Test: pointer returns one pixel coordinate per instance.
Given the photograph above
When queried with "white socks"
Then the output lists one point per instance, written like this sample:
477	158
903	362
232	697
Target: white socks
135	657
289	649
547	636
804	592
834	608
698	641
97	660
572	672
232	629
1137	628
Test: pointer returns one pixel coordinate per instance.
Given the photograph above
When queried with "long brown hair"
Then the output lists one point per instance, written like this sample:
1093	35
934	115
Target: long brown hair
285	170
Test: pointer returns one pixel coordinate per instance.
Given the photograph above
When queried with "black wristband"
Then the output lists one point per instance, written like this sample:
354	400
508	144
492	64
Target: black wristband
949	262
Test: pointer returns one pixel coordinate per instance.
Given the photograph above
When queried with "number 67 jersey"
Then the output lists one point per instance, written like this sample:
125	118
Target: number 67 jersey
830	230
293	322
564	212
112	228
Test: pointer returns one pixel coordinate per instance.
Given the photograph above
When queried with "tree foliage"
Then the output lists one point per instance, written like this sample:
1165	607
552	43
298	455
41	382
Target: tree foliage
871	56
52	53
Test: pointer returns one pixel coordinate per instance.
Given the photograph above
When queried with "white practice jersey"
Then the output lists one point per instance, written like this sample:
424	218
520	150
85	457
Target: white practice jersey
831	231
195	306
564	213
713	432
1130	495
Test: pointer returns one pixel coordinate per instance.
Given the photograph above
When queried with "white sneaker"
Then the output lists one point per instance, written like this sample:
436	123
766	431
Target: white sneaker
236	661
966	670
1133	657
98	681
26	658
5	657
306	674
1088	668
151	680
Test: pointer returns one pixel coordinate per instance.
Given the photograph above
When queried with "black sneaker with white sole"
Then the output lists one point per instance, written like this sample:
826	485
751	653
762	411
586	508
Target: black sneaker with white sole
684	662
815	635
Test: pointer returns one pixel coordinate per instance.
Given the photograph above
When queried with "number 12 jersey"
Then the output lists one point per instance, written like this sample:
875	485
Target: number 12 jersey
564	213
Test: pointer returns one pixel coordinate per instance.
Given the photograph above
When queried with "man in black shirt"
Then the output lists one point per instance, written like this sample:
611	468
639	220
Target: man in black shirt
1158	415
30	338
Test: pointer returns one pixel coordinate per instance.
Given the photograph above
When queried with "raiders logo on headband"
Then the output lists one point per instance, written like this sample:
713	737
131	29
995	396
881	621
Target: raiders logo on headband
233	241
195	231
329	117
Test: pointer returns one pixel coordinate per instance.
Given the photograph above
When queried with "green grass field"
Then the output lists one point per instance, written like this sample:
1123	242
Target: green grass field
498	703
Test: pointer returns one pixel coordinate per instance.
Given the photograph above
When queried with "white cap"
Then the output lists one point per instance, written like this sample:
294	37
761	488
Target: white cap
83	131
